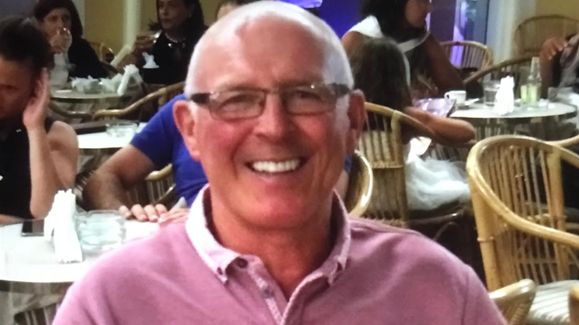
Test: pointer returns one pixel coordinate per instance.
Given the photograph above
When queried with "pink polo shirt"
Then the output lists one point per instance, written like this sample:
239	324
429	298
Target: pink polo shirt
373	275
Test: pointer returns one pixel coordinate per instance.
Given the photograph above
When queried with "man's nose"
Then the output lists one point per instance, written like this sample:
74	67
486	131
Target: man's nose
274	122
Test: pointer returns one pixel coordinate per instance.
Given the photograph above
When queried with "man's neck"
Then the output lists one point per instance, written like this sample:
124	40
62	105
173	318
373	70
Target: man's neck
288	255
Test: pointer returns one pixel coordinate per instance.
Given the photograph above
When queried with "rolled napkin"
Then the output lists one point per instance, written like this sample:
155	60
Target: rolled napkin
60	228
110	85
131	73
505	98
86	85
149	61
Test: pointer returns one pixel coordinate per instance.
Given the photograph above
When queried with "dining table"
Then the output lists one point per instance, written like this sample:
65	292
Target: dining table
75	106
28	264
548	120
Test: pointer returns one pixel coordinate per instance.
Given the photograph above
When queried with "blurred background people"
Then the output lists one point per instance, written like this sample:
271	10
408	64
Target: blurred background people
430	71
559	58
380	72
170	42
62	28
37	155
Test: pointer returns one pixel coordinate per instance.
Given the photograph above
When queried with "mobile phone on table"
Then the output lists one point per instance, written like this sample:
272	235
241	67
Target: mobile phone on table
32	228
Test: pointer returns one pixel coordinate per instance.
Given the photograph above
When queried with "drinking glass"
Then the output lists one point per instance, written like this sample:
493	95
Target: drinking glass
490	92
100	230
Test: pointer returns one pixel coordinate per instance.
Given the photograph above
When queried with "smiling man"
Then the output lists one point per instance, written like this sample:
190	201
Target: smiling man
272	116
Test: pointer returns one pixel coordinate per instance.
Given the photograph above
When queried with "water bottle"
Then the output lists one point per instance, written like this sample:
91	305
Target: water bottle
531	90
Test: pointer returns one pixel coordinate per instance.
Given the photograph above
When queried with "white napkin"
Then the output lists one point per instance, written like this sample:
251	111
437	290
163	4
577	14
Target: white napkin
59	226
110	85
86	85
505	98
131	73
149	61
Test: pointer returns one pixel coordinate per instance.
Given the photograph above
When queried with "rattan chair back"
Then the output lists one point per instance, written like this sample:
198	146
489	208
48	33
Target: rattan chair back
104	52
512	67
360	185
382	144
514	300
517	197
157	188
157	99
574	305
468	54
532	32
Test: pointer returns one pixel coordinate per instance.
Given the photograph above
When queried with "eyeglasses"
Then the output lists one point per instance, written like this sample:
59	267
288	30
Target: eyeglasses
245	103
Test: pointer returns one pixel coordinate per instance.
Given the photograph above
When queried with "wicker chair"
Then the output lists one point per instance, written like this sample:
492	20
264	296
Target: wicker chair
574	305
151	102
519	211
104	53
514	300
382	144
157	188
469	55
510	67
360	185
532	32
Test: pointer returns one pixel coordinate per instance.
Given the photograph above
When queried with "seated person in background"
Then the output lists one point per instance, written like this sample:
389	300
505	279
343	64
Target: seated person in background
272	116
559	59
37	155
312	6
405	21
61	25
179	25
380	72
156	146
226	6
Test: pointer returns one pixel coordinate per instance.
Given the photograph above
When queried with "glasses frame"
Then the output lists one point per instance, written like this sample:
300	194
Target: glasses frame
207	99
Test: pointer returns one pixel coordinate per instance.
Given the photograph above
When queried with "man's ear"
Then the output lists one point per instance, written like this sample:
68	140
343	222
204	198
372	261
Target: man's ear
185	120
357	116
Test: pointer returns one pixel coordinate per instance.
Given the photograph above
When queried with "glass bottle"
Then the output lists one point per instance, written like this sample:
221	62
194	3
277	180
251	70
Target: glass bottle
531	90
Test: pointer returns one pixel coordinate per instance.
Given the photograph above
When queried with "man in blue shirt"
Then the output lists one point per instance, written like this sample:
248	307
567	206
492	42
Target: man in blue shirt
156	146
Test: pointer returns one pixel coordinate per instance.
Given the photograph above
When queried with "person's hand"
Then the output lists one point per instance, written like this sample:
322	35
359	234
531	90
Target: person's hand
551	47
174	215
144	43
61	41
35	111
144	213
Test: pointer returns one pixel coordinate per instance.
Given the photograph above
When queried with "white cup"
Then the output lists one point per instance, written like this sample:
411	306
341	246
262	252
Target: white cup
459	96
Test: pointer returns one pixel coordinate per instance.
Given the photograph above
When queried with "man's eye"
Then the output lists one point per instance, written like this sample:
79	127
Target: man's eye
237	100
304	94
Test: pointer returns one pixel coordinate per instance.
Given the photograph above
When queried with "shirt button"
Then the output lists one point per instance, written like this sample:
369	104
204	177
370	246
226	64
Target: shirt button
219	271
241	263
267	292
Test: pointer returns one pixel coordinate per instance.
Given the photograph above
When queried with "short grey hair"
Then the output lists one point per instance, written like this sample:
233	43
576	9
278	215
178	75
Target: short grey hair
336	64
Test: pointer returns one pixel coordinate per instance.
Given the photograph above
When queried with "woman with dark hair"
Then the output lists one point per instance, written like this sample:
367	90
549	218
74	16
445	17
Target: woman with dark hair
179	26
380	72
62	28
405	22
37	155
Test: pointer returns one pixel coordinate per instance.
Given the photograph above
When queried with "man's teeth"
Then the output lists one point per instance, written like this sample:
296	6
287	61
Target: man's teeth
275	167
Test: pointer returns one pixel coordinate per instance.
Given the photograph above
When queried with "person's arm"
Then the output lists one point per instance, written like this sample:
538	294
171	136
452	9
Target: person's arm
449	131
53	155
550	50
352	41
444	75
6	219
107	186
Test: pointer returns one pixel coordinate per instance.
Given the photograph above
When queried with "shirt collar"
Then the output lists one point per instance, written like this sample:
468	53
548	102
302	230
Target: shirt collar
218	258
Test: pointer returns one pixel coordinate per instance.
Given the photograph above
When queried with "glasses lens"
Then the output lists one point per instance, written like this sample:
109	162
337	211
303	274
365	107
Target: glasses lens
311	99
237	104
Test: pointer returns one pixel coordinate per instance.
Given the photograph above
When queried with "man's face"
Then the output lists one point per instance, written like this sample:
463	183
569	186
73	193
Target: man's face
16	87
276	170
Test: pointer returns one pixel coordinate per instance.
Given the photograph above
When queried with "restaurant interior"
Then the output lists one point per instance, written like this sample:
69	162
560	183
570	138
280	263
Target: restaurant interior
501	198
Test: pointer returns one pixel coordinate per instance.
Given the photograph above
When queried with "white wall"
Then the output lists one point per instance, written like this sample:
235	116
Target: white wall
504	16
